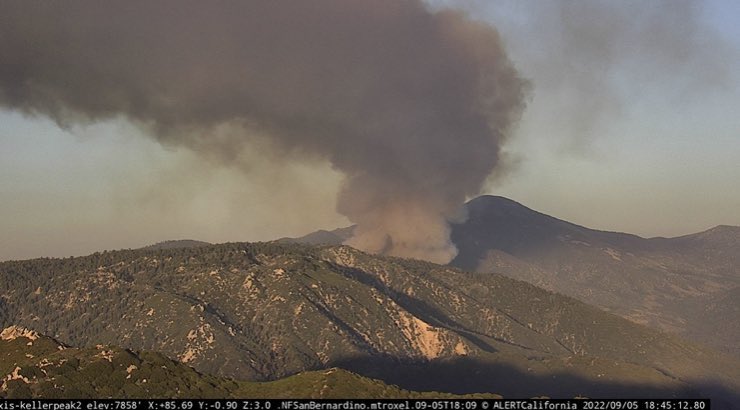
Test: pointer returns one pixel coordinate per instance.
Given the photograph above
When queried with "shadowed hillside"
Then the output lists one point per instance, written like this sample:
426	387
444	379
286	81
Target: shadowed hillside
668	283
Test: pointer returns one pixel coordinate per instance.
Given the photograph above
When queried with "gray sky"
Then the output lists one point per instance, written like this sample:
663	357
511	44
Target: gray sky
630	126
634	122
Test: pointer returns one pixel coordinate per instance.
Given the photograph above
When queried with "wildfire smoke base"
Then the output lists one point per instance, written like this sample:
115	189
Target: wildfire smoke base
408	230
410	105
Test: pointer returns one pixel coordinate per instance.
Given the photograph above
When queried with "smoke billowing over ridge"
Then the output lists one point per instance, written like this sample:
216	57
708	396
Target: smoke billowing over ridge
411	106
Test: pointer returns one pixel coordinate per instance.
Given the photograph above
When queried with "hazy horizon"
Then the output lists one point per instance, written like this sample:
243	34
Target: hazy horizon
630	125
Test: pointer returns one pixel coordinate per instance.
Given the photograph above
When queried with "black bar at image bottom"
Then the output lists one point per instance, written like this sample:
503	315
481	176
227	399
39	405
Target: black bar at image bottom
354	404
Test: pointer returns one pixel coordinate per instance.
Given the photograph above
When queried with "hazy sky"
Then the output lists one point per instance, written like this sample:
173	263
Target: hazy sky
632	124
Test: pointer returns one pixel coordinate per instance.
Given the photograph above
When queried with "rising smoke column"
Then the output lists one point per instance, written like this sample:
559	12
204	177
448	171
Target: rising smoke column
410	105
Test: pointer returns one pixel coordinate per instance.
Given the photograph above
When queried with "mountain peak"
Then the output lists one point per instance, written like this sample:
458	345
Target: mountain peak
725	228
486	201
721	233
491	198
491	206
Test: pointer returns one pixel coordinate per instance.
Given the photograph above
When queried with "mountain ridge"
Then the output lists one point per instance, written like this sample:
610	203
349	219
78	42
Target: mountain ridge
654	281
263	311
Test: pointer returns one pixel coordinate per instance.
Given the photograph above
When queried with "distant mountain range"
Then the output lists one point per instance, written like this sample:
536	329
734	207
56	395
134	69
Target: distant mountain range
175	244
323	237
687	285
265	311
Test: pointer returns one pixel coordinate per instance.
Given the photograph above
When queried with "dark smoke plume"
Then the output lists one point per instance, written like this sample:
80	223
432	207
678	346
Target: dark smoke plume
410	105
